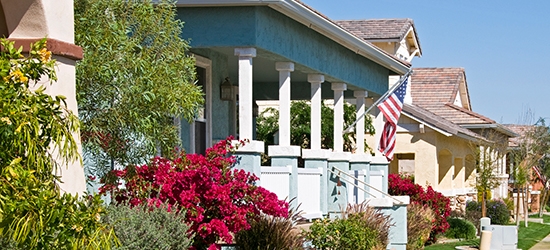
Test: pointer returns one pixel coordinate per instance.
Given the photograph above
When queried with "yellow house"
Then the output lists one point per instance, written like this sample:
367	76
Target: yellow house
438	134
439	137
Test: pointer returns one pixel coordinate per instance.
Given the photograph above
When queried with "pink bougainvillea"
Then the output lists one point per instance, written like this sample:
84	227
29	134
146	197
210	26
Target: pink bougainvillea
404	185
217	200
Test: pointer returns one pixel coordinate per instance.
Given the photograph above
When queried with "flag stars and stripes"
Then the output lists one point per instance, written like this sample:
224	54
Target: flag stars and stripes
391	109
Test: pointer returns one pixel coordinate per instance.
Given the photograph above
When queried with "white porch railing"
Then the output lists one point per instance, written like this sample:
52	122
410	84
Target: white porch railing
277	180
362	186
309	192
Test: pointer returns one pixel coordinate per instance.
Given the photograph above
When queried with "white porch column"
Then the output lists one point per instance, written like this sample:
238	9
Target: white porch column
284	69
245	91
315	80
360	126
338	89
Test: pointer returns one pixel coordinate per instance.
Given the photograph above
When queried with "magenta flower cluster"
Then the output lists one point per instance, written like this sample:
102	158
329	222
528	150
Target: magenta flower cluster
404	185
219	201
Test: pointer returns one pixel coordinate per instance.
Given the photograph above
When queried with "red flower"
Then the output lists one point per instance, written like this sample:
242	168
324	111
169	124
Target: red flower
217	200
404	185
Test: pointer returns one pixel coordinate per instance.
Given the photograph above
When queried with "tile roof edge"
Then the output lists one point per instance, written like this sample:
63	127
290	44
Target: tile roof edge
471	113
438	124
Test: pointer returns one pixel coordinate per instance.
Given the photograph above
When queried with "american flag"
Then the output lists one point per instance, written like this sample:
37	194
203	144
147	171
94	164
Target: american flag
539	175
391	109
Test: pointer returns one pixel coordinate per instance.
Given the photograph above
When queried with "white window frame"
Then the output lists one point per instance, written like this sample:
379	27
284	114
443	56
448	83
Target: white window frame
206	64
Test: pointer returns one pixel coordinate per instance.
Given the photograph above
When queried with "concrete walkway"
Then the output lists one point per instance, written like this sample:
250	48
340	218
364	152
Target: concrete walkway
544	244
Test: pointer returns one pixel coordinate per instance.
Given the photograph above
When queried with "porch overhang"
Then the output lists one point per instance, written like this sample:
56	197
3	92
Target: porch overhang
285	30
315	21
497	127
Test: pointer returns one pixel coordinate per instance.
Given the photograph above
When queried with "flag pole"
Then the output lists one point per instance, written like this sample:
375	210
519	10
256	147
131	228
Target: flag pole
384	96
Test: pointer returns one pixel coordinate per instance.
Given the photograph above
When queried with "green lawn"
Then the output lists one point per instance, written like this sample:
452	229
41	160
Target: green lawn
527	237
545	217
451	246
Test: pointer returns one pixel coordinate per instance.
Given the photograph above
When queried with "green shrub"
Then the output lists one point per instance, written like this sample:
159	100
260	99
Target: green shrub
361	227
460	229
496	210
36	143
269	233
473	216
148	227
420	221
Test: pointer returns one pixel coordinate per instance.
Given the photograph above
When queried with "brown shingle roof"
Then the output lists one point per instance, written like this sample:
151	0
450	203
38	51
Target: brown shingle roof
435	89
461	115
438	121
435	86
521	130
378	28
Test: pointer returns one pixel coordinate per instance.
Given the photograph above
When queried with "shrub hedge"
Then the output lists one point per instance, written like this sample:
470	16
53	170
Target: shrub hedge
460	229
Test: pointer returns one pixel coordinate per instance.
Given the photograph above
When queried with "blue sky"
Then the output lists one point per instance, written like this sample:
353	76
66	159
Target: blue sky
504	46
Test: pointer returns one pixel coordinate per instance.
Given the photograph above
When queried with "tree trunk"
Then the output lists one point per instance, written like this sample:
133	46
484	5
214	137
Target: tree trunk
525	210
517	204
483	205
542	200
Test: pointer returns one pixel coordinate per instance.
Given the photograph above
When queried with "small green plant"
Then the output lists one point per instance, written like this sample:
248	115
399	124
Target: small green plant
148	227
420	220
361	227
460	229
271	233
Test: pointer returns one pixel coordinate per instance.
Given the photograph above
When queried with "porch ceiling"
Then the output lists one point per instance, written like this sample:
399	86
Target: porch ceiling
266	77
278	38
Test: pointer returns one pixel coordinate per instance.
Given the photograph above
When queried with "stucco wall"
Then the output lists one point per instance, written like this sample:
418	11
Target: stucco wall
284	39
460	149
221	122
221	110
437	157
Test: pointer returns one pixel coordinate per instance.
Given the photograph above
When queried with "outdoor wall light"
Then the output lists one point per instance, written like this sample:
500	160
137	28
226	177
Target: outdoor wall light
226	90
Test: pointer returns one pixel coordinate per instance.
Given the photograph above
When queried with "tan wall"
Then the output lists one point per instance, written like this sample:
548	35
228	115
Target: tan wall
444	162
460	149
388	47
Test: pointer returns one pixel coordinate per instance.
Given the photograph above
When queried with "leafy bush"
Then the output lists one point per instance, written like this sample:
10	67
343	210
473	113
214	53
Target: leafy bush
135	74
496	210
440	205
460	229
148	227
420	220
218	201
271	233
361	227
473	216
33	213
300	134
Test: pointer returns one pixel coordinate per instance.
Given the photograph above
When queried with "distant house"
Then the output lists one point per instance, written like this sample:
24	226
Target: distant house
438	133
534	185
396	37
453	137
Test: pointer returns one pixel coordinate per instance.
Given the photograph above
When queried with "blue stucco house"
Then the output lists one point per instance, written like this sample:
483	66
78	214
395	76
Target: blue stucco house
284	50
